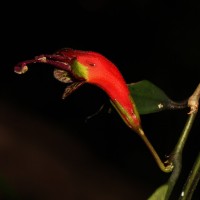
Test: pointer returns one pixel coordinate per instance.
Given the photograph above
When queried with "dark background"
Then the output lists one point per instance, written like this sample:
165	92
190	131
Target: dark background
47	150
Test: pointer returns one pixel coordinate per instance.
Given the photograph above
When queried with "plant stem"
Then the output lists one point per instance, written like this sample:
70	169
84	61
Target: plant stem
165	168
176	156
192	181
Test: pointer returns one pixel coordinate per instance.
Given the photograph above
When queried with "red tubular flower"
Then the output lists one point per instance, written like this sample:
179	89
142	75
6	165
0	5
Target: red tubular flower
94	68
78	67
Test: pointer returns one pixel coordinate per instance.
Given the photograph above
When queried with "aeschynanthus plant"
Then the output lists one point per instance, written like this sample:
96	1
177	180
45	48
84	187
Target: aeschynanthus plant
78	67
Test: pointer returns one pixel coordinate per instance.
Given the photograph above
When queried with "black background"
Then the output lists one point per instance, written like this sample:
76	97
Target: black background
47	150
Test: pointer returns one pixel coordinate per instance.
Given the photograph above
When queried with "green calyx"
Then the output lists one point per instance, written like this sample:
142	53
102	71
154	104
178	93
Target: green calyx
79	70
127	117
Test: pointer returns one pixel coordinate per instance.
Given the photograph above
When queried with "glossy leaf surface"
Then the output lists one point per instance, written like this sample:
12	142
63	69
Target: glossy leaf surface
150	99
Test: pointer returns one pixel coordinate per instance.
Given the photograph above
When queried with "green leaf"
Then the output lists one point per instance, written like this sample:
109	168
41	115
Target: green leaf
160	193
150	99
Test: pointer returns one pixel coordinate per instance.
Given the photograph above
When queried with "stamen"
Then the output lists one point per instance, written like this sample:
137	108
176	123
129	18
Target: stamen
58	61
21	70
